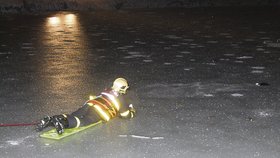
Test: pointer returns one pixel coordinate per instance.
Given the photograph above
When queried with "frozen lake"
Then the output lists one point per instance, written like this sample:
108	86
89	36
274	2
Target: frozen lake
207	81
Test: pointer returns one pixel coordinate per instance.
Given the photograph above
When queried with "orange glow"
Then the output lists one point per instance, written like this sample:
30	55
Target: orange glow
65	42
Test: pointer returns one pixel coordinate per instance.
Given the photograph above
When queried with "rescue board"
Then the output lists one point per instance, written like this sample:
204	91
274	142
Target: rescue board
52	134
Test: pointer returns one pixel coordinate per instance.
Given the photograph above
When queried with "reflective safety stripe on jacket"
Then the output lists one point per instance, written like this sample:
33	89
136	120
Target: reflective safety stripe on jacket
112	99
106	105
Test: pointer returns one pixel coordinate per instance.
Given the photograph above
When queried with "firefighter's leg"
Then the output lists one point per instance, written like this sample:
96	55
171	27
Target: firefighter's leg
89	117
44	123
58	121
83	117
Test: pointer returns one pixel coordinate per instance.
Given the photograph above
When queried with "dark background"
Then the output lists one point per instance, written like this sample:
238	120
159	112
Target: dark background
50	5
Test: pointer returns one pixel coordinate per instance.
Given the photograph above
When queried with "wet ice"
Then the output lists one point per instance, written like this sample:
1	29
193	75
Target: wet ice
195	89
202	80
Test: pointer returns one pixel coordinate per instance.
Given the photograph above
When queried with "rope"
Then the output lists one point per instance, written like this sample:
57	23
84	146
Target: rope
17	124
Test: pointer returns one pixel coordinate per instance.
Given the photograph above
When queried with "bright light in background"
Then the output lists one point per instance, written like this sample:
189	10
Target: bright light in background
59	20
65	48
54	21
70	19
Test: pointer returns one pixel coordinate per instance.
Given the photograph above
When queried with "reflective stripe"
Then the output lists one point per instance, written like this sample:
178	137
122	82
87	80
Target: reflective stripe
99	103
64	115
110	104
124	114
107	101
102	113
90	104
78	122
113	99
108	109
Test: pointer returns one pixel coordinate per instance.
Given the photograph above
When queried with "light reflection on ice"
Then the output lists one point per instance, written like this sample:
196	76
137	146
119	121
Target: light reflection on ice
11	142
244	57
237	95
258	67
256	71
141	137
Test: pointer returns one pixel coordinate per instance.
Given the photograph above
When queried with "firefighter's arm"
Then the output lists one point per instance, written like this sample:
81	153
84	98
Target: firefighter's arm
128	113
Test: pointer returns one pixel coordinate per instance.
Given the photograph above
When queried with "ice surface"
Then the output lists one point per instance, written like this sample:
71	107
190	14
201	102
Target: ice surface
194	75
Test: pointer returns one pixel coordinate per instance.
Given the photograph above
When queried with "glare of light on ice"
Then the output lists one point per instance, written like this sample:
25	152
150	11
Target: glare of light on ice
147	60
208	95
166	63
260	49
212	42
239	61
237	95
123	136
54	21
229	55
187	69
185	52
258	67
256	71
13	142
70	19
141	137
245	57
264	114
4	53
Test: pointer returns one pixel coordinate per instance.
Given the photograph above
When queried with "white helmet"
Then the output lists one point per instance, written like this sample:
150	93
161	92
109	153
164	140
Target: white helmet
120	85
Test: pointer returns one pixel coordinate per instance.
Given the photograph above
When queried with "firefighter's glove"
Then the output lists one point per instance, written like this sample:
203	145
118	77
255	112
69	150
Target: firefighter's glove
132	110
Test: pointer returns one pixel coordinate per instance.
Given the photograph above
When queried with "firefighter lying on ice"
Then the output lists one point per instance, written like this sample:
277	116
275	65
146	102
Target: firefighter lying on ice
109	104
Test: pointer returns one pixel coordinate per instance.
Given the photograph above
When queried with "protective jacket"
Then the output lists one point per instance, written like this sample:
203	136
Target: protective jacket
107	105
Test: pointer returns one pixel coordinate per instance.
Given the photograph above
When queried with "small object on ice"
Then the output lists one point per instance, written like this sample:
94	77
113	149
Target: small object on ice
250	119
262	84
